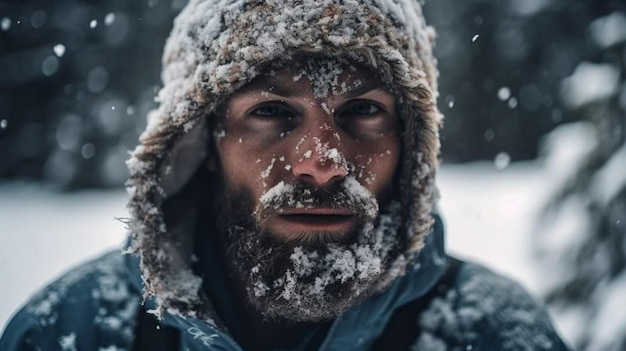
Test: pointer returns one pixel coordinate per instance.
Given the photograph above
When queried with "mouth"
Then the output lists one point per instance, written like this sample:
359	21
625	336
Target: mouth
316	219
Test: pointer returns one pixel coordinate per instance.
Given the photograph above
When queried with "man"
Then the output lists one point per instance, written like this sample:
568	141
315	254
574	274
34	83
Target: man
282	197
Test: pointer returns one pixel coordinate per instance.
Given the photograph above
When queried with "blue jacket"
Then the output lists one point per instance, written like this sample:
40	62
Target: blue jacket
95	307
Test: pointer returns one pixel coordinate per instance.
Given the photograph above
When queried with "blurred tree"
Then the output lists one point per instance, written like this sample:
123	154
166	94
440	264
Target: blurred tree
501	63
78	78
582	234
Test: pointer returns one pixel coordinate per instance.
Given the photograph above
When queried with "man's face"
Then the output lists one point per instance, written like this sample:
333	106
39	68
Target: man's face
283	128
306	153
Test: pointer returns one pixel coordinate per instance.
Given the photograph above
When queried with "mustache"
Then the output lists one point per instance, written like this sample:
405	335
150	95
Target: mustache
348	194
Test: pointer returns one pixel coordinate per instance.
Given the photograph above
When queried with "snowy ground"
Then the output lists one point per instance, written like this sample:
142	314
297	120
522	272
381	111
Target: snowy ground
488	215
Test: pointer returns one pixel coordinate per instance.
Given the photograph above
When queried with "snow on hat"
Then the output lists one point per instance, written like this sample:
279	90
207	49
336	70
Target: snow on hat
218	46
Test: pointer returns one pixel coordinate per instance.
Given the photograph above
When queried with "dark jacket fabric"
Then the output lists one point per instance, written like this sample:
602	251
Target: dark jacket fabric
98	306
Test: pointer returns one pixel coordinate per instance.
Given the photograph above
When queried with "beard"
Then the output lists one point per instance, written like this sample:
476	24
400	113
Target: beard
312	276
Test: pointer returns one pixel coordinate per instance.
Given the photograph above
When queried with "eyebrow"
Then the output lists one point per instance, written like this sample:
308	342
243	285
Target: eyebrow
363	88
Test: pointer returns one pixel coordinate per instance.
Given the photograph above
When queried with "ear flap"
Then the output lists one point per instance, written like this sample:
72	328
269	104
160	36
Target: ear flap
187	155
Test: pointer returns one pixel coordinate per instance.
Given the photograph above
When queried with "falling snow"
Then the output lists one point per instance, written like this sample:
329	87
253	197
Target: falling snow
504	93
59	50
502	160
109	18
5	23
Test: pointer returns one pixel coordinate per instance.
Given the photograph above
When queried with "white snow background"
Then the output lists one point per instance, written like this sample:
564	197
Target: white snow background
489	210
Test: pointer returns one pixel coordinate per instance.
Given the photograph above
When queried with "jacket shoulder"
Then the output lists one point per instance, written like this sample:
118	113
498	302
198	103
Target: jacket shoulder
485	311
92	303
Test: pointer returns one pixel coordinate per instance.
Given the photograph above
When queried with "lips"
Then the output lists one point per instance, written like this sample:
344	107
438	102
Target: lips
317	219
317	211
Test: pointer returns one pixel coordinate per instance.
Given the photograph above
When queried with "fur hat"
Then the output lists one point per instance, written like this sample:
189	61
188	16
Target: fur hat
218	46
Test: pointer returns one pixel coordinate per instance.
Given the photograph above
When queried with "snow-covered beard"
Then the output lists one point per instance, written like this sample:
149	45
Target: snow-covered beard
317	276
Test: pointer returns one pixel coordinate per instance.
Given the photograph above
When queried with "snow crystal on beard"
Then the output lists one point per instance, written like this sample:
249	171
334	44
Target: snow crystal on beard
312	281
349	194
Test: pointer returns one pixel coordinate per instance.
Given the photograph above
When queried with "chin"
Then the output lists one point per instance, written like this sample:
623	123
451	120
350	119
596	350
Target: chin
310	285
312	276
303	303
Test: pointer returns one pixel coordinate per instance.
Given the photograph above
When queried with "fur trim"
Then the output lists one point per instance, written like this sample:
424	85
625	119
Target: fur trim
216	47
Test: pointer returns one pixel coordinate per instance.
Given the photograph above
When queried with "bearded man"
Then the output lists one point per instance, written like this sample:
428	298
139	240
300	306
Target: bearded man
282	197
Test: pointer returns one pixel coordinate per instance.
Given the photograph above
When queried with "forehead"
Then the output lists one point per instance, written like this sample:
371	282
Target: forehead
320	77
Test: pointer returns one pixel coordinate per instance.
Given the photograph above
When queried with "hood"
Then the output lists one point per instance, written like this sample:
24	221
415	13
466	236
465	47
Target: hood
215	48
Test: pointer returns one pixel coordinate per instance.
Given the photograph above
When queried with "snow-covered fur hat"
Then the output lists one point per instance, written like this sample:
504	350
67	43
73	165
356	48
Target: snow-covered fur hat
218	46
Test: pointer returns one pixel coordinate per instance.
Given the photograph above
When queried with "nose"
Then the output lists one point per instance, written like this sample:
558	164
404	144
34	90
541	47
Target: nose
320	160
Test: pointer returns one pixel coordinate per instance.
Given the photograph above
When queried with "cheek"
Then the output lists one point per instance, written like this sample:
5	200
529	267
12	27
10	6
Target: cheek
243	164
375	170
237	166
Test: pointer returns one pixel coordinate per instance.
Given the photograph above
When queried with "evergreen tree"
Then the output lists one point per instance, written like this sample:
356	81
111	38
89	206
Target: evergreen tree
588	213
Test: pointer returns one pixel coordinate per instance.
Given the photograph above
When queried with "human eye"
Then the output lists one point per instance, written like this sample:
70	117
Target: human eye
363	118
271	111
362	108
272	116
